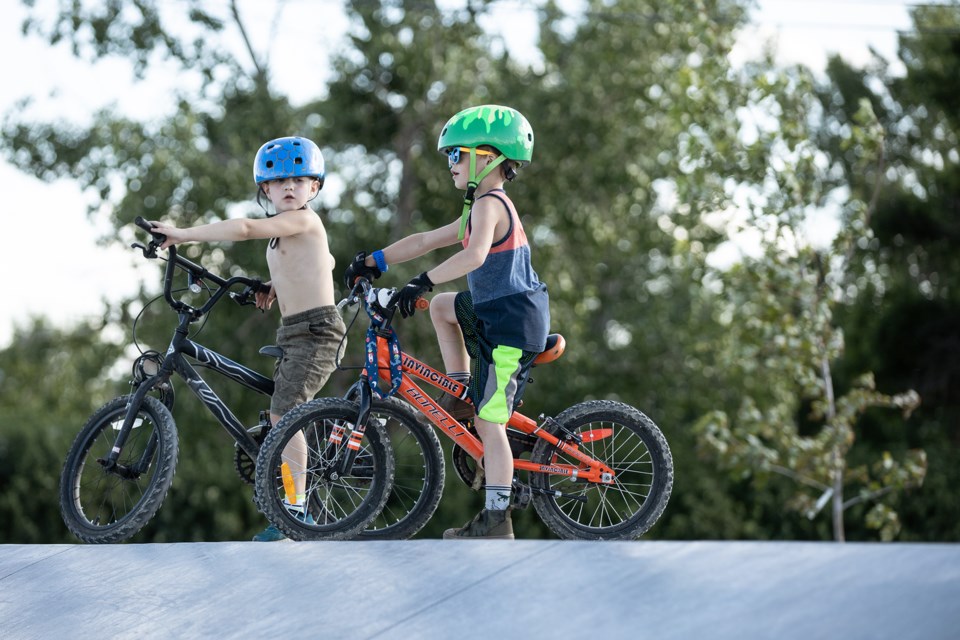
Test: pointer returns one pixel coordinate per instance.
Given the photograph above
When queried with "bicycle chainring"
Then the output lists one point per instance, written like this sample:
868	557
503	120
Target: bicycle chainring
246	466
467	468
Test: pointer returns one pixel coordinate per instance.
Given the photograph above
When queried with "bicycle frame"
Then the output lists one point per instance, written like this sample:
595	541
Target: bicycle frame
174	362
591	469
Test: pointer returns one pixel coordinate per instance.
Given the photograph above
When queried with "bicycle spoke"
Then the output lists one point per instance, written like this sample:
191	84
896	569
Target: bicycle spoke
110	505
632	448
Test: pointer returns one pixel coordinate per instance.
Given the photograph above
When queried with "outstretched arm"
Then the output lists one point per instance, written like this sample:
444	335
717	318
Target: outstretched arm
418	244
286	224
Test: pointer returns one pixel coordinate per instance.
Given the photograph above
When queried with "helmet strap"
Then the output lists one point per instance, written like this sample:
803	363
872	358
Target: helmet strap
475	180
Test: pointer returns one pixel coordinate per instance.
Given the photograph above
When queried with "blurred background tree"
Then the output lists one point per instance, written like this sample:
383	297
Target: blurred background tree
902	317
642	151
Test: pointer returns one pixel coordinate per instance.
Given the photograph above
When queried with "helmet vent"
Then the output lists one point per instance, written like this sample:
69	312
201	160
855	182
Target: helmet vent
269	164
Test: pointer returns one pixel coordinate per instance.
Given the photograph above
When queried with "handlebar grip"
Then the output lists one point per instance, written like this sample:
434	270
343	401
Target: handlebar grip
422	304
143	224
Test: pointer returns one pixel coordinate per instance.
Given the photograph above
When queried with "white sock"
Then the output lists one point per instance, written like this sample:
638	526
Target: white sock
498	498
295	508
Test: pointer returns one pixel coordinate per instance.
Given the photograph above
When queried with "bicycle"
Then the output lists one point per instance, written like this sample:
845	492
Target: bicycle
121	465
599	470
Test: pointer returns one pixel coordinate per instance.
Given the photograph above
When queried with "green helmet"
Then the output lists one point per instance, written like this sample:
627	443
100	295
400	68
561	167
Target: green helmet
493	125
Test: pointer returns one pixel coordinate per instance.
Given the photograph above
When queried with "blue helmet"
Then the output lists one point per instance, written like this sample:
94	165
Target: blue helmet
288	158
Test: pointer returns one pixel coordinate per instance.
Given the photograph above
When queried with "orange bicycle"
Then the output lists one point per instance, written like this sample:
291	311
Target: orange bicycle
599	470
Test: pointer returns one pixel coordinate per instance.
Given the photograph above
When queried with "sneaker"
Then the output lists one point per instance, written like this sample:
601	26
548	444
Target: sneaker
489	524
272	534
459	409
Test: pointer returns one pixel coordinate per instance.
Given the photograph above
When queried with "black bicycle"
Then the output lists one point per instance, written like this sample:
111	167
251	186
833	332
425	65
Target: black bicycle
121	465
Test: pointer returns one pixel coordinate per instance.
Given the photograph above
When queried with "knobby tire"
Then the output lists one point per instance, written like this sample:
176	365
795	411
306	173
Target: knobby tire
340	506
640	457
101	506
419	472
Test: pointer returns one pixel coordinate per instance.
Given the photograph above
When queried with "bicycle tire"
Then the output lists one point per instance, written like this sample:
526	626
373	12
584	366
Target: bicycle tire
340	506
640	457
419	473
101	506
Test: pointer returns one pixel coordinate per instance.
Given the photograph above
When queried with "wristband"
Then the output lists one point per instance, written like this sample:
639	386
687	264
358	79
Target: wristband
380	260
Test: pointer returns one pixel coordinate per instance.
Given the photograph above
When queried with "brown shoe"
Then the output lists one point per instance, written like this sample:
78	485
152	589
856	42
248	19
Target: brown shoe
459	409
487	525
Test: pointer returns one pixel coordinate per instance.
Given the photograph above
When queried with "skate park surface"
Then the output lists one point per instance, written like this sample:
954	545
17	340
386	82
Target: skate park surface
526	589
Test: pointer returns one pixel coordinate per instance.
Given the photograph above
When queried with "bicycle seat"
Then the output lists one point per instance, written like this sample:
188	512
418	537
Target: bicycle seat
554	349
272	351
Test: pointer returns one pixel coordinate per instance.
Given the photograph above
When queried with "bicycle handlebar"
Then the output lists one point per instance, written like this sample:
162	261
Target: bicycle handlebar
382	300
196	273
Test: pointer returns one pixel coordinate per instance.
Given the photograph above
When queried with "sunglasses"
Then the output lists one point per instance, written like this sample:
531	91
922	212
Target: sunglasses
453	154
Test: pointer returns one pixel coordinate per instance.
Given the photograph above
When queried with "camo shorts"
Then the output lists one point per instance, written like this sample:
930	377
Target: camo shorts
312	342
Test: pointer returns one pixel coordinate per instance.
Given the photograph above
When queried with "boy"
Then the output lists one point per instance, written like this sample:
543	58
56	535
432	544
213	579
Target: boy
503	320
289	172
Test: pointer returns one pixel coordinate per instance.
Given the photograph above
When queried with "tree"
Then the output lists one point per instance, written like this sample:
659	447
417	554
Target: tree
904	306
639	147
779	309
39	426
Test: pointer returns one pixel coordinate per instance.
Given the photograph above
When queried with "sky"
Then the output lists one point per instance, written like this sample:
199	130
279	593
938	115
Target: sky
52	262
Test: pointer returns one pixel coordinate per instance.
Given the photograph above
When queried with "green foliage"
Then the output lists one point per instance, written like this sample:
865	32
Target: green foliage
646	141
903	317
51	379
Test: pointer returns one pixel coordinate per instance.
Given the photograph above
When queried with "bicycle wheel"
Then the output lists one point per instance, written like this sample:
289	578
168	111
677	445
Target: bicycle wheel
339	506
419	473
100	505
628	442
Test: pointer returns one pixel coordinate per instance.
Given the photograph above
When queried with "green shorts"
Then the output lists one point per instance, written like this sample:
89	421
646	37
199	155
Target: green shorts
311	343
499	373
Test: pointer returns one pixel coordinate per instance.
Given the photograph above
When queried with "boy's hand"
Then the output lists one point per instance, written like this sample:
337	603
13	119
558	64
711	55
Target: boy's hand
407	297
174	235
265	299
359	268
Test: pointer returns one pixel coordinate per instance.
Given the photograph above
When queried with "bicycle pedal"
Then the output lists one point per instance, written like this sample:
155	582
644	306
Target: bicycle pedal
522	496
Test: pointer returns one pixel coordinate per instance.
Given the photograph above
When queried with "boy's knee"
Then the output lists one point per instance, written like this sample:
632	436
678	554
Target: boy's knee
442	309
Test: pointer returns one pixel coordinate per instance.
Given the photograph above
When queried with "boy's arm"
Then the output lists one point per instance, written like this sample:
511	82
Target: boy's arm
418	244
286	224
483	223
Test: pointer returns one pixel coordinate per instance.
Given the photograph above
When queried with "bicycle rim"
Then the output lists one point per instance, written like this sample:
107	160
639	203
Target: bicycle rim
100	505
419	473
633	447
338	506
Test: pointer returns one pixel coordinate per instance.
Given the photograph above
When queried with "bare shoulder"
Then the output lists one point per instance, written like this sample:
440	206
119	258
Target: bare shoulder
302	222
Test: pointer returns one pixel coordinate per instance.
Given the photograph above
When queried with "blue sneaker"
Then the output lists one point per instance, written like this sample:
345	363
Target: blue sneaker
272	534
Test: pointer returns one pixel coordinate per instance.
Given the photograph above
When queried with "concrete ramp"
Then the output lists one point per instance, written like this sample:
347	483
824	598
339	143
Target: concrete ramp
484	589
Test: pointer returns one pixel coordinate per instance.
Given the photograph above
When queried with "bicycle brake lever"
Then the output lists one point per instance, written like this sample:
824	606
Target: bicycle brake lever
243	298
148	252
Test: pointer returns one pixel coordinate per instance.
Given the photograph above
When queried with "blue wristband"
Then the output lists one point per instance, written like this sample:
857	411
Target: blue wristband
380	260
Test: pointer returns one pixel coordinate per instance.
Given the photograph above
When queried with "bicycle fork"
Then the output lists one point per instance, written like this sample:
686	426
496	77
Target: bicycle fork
110	464
353	434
